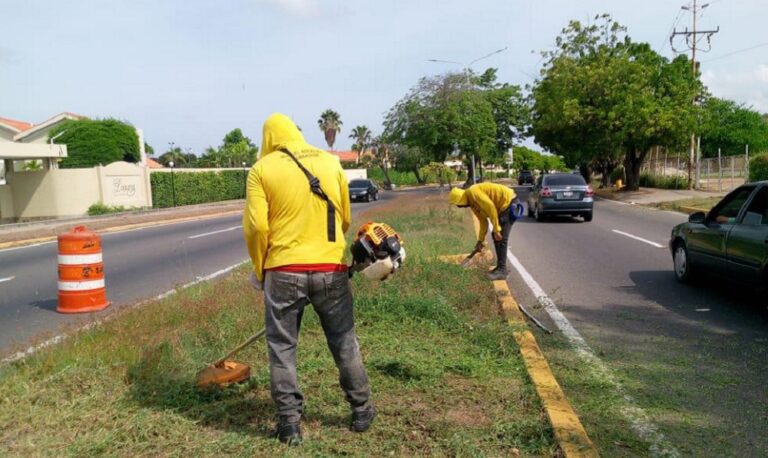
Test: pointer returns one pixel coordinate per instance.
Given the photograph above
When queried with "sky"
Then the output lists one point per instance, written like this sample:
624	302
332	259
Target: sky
190	71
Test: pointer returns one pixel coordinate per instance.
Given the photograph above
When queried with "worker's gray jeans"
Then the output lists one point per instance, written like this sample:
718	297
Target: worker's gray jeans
286	294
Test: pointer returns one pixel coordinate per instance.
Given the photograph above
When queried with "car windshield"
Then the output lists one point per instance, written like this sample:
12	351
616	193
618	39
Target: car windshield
564	180
359	183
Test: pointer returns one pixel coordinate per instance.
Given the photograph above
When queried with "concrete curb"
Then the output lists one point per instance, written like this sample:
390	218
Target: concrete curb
569	432
691	210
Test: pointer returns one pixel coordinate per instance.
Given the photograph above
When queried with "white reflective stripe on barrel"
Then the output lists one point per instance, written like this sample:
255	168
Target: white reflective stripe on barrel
77	259
81	285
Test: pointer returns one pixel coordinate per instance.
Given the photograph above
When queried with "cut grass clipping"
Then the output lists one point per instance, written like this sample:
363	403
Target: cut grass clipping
445	371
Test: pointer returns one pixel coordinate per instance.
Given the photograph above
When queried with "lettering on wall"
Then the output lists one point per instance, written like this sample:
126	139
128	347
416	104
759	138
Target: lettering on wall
123	188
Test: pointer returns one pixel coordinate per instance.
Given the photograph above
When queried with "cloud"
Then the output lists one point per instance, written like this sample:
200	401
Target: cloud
297	7
748	87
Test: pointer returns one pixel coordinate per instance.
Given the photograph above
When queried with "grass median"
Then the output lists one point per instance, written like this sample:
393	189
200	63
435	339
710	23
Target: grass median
445	370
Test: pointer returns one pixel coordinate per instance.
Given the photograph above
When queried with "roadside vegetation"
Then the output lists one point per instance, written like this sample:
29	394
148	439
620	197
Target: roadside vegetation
445	370
704	203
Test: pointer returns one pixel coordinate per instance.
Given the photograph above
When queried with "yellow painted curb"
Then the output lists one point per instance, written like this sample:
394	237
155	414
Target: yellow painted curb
569	432
123	228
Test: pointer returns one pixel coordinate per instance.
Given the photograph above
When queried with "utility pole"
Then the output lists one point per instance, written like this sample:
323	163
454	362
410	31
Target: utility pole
691	40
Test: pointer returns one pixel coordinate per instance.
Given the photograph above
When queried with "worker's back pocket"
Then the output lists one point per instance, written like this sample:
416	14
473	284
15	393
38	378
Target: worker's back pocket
282	287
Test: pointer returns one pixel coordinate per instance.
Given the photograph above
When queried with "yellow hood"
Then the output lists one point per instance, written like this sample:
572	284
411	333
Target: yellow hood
458	197
280	132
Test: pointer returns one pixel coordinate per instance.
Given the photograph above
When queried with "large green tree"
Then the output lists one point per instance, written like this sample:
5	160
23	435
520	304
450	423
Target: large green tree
235	150
91	142
730	126
442	115
510	111
330	124
603	98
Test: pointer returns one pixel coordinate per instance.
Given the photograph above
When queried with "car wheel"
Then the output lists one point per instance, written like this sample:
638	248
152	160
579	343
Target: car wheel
682	263
367	197
588	217
376	196
530	211
539	215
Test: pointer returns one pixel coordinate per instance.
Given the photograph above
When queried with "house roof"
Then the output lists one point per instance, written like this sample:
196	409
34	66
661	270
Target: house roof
346	156
46	124
153	164
17	126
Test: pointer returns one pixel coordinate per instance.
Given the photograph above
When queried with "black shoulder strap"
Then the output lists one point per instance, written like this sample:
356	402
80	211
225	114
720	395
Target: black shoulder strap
314	186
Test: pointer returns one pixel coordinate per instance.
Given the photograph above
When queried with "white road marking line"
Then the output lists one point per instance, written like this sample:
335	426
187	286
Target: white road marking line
702	310
7	279
27	246
206	234
56	339
657	245
636	416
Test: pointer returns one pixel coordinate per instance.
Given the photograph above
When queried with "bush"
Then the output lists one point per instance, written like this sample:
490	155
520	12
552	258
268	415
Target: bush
663	182
93	142
101	209
398	178
435	172
758	168
196	187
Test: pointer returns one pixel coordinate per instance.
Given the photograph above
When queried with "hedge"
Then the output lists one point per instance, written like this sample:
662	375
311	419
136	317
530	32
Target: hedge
196	187
398	178
663	182
758	168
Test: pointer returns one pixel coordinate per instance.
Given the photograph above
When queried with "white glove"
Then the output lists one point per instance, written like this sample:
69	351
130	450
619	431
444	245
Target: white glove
255	282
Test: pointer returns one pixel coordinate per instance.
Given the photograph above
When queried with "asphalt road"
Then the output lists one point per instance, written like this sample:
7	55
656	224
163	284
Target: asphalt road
138	264
694	357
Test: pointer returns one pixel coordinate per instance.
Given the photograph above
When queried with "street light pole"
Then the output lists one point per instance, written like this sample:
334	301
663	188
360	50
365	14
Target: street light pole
467	71
245	185
173	184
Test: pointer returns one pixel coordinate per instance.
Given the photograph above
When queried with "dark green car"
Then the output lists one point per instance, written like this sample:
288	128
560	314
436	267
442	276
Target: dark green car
731	240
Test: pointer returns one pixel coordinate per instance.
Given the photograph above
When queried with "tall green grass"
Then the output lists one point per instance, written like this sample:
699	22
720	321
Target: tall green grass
445	370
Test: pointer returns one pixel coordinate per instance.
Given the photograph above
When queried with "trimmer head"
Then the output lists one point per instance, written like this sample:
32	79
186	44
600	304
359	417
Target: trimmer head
223	374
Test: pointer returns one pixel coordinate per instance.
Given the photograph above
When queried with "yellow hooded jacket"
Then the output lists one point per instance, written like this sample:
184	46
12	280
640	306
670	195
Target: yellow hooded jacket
487	201
284	223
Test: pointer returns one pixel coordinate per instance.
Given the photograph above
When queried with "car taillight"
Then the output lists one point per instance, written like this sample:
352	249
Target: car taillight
545	192
590	192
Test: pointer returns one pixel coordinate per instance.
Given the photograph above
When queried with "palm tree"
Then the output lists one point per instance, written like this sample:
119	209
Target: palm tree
174	154
330	123
362	137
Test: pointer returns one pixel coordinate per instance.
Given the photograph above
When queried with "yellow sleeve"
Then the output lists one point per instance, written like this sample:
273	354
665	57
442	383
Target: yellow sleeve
483	226
345	211
256	222
486	206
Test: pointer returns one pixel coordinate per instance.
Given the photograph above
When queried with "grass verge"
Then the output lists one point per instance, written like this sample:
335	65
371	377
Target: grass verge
445	370
705	203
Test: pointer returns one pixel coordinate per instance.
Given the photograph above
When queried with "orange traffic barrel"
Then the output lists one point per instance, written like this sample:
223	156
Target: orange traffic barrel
81	272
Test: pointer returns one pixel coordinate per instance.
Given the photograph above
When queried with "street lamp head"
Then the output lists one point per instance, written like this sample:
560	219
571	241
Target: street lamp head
243	163
170	164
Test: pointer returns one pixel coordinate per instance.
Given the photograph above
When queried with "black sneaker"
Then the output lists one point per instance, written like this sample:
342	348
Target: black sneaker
288	433
497	274
362	419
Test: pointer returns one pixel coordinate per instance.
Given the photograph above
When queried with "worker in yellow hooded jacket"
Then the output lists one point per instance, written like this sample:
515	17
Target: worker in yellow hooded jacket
295	237
495	203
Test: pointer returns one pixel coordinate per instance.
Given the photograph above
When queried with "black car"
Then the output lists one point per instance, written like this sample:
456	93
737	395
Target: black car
525	178
730	240
363	190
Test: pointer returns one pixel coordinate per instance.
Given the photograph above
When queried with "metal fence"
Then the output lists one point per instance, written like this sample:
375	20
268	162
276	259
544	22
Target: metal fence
718	174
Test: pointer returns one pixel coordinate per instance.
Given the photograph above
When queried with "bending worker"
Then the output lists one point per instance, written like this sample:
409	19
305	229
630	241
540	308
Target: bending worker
295	237
494	202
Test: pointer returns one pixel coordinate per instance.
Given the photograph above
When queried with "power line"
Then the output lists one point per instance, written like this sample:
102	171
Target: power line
738	51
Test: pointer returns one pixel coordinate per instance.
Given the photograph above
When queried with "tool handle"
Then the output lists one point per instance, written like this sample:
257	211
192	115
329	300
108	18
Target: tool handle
248	342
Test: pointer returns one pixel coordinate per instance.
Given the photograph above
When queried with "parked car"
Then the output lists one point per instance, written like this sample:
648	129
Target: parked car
561	194
525	177
363	190
730	240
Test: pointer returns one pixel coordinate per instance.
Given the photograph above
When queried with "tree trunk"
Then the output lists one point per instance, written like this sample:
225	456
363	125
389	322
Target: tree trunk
586	172
387	181
633	160
419	179
606	169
